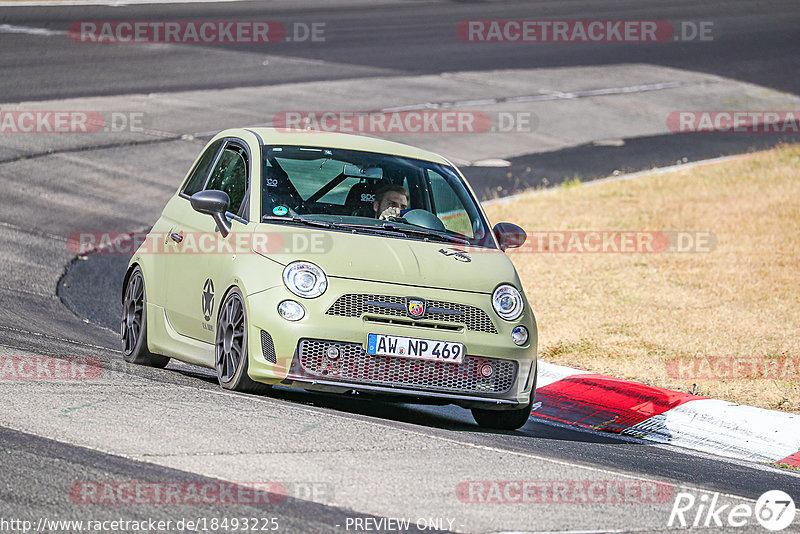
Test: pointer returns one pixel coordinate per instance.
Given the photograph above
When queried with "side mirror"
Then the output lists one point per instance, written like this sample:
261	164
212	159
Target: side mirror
214	203
509	235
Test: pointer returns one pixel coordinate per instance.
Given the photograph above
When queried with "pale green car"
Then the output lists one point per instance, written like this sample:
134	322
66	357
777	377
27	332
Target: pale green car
275	263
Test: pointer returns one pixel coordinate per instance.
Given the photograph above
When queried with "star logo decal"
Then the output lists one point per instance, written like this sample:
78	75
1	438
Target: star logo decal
208	299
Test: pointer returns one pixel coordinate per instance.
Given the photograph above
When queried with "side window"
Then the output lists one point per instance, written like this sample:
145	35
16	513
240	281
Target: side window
200	173
230	175
449	207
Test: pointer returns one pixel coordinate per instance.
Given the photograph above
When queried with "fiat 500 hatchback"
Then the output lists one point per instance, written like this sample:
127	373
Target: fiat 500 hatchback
335	263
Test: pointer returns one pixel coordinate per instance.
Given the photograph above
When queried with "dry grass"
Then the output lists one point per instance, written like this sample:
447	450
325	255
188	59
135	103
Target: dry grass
627	315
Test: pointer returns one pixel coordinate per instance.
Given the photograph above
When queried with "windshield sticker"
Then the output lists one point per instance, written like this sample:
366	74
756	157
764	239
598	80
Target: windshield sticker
280	211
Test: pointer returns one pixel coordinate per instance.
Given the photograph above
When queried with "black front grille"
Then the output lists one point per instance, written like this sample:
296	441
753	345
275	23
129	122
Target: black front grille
355	305
354	365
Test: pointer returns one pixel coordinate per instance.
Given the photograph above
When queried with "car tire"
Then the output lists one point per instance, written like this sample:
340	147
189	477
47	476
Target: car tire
230	346
133	327
503	419
506	419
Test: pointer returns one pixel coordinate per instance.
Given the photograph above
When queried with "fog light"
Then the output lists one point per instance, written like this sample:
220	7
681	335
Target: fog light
332	353
519	335
486	370
291	310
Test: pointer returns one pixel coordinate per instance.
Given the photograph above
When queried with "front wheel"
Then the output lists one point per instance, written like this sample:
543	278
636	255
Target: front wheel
503	419
133	329
231	346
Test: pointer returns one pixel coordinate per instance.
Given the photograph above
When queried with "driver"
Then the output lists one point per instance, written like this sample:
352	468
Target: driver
390	200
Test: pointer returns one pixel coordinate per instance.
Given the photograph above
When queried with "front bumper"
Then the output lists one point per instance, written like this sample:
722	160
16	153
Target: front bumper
411	396
296	353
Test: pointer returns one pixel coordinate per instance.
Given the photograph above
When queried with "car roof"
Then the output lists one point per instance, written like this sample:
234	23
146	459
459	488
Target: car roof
311	138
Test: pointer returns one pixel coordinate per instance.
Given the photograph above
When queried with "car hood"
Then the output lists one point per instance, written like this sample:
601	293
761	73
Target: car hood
391	260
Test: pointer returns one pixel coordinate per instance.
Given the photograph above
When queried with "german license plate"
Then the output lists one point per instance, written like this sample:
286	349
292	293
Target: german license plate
410	347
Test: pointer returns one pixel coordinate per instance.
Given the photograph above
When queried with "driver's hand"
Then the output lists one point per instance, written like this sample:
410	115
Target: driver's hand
389	212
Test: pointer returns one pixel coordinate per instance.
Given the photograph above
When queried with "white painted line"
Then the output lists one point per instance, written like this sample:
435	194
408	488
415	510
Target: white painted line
641	88
55	338
609	142
56	237
497	162
121	3
9	28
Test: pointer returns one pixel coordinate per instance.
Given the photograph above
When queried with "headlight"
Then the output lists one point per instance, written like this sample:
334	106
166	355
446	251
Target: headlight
507	302
305	279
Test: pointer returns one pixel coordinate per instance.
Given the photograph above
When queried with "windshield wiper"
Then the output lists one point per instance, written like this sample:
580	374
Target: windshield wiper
298	220
421	232
427	233
386	228
332	225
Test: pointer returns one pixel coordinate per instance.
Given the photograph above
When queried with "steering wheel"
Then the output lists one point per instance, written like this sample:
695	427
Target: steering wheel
423	218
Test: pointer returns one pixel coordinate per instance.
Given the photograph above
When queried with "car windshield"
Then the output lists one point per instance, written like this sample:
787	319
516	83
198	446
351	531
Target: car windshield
367	192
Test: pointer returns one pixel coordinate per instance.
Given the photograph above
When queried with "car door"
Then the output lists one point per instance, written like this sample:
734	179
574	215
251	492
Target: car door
177	209
201	253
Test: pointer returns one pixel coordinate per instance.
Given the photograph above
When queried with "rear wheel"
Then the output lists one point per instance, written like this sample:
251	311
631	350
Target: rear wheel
231	346
133	329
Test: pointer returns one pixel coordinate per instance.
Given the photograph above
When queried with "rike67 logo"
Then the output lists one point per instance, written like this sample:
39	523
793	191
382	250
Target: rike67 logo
774	510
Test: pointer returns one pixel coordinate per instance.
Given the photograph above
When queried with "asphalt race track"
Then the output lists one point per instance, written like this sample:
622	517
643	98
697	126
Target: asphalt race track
756	43
344	461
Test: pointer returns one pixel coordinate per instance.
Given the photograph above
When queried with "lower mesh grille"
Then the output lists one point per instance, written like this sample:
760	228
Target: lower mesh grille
267	347
355	365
